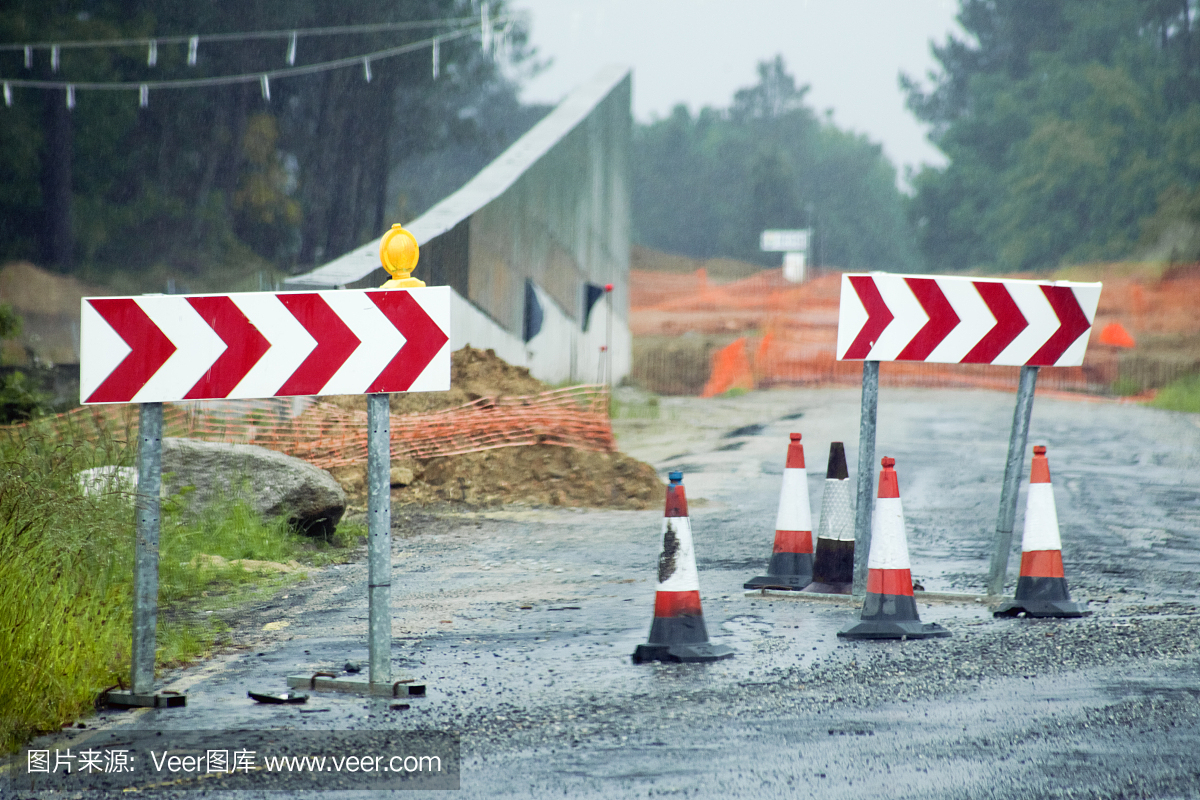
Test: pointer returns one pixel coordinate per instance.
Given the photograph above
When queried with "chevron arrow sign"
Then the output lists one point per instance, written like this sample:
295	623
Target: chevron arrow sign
159	348
885	317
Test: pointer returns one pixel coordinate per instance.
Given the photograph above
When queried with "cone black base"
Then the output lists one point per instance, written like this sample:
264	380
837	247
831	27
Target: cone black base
892	616
834	562
683	629
1041	597
820	587
681	653
787	583
787	571
1041	608
887	629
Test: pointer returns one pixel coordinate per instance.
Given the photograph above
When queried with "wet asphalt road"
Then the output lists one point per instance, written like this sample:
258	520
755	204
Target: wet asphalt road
521	623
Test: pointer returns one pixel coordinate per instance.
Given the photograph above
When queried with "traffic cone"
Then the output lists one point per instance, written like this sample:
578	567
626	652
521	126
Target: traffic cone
1042	587
889	611
791	565
678	632
833	568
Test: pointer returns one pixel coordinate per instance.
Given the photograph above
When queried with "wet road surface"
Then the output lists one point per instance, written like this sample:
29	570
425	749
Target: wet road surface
521	623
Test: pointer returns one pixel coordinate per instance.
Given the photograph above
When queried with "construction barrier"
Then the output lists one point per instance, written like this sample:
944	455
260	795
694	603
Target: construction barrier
889	610
327	435
678	632
833	567
763	331
1042	585
791	564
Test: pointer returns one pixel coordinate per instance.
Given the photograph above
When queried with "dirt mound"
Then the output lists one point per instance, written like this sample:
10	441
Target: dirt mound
534	475
49	306
537	475
473	374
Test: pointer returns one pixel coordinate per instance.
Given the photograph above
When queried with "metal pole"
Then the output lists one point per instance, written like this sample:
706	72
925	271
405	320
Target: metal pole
608	376
379	536
145	575
866	475
1012	480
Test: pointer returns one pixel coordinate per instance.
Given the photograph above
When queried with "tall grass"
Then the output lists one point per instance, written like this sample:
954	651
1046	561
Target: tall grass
66	574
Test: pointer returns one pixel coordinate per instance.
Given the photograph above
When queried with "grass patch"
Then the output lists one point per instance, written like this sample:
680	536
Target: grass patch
1125	387
649	409
66	575
1180	395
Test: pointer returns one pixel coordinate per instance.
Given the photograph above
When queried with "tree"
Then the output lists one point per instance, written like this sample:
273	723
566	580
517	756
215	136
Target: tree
1065	122
219	178
707	185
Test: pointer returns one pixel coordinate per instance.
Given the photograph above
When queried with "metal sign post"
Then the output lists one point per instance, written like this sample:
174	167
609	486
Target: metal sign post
379	538
866	475
1012	480
145	570
954	320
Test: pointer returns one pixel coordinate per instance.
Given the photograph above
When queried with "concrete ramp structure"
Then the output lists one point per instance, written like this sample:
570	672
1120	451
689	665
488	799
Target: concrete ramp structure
524	238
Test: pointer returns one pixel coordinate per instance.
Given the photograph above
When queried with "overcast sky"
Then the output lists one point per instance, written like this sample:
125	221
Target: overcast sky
699	52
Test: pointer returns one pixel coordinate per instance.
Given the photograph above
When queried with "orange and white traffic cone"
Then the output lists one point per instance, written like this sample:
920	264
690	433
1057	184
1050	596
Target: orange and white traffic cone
833	566
791	565
1042	586
678	632
889	610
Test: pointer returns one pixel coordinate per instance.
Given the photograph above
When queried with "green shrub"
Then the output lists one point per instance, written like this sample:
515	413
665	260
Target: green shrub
1180	395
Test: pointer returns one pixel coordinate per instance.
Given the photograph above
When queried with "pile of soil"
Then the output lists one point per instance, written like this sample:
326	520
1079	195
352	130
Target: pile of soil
473	374
543	474
49	308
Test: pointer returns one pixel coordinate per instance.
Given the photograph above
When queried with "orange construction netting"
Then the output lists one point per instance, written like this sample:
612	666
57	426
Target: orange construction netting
329	436
786	334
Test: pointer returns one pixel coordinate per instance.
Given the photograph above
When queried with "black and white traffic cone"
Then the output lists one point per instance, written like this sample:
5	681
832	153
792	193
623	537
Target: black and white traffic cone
791	565
1042	585
678	632
833	566
889	610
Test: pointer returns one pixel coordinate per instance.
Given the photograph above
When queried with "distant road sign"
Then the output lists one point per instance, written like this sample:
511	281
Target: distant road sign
160	348
885	317
784	241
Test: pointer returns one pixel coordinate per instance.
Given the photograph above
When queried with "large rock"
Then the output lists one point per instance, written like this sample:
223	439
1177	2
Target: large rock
276	485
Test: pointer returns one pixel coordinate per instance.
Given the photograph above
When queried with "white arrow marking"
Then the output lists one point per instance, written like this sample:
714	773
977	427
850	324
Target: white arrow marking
909	317
436	376
101	350
851	317
380	341
290	344
198	347
975	320
1088	297
1043	322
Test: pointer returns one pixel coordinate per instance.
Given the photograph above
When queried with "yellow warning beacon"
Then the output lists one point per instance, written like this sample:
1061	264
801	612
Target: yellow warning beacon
398	252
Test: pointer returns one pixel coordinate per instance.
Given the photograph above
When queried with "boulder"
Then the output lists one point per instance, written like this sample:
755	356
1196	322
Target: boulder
275	485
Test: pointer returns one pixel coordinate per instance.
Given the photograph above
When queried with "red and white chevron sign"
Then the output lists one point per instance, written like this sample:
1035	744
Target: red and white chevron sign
885	317
158	348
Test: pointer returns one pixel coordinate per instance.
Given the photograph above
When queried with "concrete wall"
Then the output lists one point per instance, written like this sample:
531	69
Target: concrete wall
553	209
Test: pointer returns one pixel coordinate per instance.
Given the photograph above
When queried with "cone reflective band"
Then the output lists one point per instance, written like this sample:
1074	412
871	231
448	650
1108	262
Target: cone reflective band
833	564
889	610
791	562
1042	585
678	632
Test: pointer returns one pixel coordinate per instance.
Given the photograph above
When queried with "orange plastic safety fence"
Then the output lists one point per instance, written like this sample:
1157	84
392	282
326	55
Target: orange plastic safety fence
329	436
793	339
730	370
